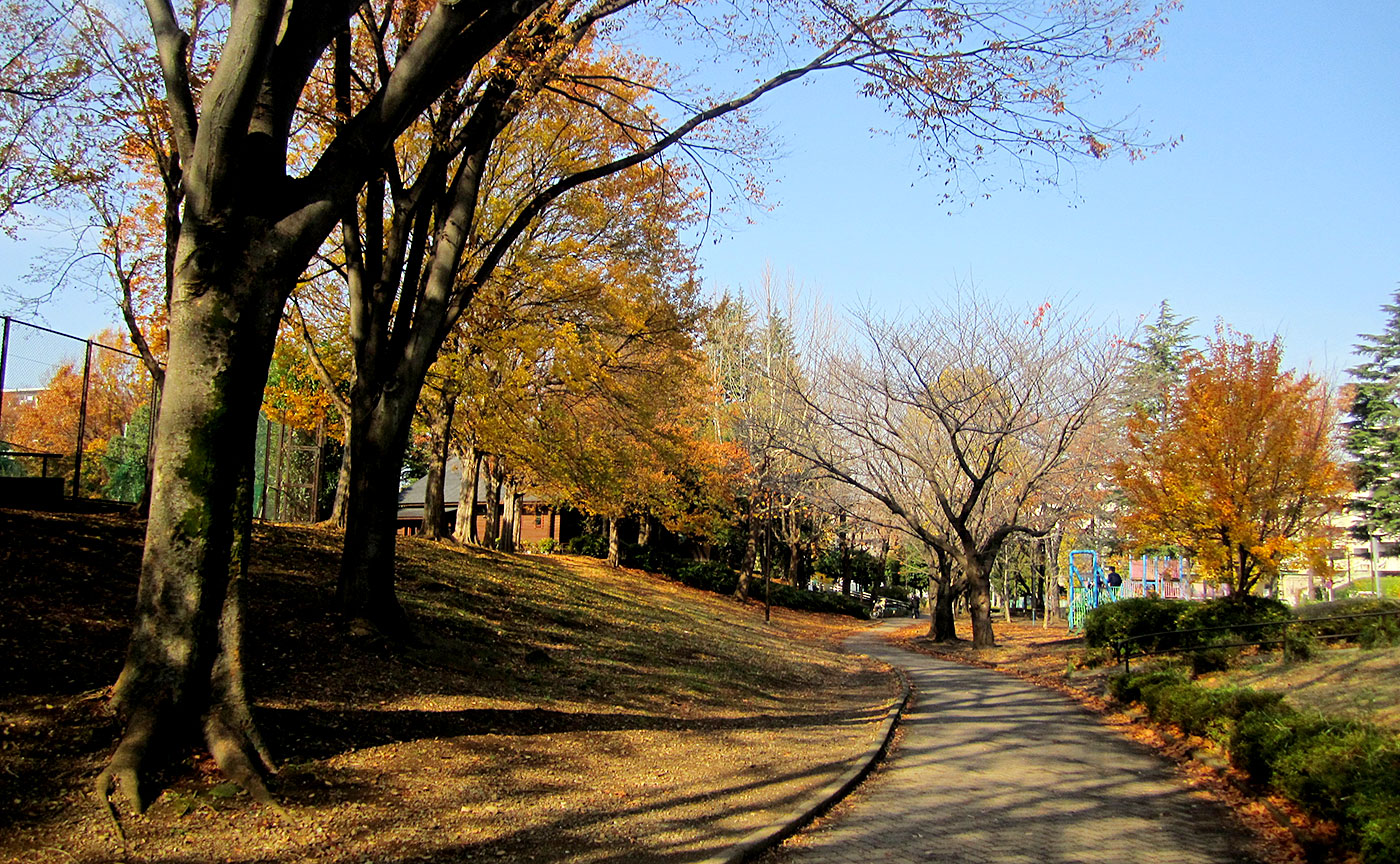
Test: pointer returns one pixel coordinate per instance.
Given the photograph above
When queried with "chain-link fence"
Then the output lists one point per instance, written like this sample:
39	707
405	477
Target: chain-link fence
75	418
290	472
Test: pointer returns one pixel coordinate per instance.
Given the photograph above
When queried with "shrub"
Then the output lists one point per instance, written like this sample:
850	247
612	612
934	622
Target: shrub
718	577
1229	612
1378	632
1207	660
651	558
1343	770
1128	688
1137	616
818	601
713	576
592	545
1299	643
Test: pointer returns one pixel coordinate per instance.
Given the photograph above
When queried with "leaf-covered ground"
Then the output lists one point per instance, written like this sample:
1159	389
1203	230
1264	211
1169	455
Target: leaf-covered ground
556	710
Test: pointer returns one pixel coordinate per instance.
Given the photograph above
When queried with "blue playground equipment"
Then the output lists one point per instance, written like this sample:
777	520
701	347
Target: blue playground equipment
1086	590
1150	577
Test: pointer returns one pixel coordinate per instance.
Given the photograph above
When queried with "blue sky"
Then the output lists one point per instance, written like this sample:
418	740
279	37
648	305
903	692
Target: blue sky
1278	213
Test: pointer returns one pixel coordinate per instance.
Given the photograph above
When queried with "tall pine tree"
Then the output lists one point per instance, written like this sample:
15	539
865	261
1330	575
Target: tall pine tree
1373	432
1154	368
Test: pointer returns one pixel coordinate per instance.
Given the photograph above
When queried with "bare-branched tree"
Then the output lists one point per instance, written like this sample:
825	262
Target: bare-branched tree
969	422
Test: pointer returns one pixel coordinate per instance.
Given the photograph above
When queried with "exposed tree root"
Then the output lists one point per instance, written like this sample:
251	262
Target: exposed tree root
124	769
237	747
233	750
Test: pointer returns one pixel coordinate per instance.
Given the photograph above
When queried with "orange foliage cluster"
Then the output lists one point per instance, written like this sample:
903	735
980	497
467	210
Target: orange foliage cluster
1240	466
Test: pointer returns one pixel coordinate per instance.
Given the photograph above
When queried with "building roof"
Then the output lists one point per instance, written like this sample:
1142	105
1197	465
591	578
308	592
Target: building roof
412	496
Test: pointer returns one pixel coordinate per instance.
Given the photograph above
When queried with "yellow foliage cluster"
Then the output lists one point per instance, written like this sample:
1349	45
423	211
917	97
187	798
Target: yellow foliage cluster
1240	466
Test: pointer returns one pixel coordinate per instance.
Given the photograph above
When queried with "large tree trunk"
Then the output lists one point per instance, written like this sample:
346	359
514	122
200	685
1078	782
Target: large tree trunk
183	676
941	628
490	537
439	441
979	601
465	529
365	593
510	517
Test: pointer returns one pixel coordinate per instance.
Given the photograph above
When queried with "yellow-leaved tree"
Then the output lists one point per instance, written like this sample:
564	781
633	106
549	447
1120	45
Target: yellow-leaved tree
1240	466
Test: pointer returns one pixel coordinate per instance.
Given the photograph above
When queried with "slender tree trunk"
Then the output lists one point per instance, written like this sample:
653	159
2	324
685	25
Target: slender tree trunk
644	530
794	562
342	482
1053	608
614	543
745	586
767	570
183	676
439	440
464	529
846	566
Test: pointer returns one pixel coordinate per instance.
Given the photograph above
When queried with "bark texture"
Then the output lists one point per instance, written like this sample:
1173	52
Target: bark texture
182	679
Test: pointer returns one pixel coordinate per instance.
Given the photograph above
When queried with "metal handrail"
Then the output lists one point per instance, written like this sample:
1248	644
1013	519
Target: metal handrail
17	451
1123	647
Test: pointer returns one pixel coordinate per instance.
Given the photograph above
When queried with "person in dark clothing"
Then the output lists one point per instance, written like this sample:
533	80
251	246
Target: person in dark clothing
1114	580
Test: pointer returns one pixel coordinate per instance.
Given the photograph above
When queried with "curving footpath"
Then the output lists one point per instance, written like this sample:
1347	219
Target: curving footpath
993	770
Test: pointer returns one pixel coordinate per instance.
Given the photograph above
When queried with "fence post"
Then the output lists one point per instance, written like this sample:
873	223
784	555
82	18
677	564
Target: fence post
4	356
82	421
267	444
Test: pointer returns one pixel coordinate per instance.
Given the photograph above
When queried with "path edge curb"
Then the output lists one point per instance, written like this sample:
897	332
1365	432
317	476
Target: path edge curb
760	840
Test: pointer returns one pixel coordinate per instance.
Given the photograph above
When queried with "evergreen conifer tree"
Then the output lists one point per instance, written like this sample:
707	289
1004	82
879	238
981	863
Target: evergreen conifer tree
1373	431
1155	365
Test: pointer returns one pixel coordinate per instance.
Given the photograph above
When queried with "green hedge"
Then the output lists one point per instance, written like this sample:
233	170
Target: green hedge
816	601
713	576
718	577
1138	616
1343	770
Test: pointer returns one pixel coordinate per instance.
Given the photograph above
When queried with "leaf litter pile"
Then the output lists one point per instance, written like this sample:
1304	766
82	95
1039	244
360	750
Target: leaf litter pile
553	710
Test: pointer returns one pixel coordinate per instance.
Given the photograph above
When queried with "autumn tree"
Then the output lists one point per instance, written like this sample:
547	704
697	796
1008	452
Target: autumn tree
753	355
256	209
43	74
106	395
1373	428
964	421
1240	468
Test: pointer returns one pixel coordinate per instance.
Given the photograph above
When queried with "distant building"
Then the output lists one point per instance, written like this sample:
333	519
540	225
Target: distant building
538	519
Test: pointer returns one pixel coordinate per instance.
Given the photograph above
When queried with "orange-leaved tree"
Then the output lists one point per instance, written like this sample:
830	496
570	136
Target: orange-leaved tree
1240	467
